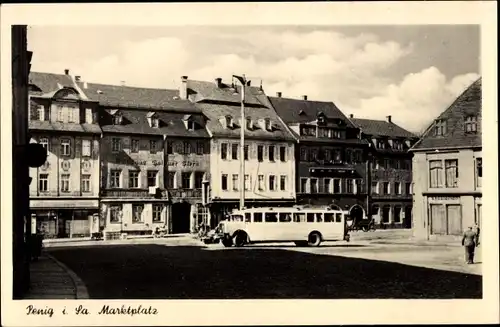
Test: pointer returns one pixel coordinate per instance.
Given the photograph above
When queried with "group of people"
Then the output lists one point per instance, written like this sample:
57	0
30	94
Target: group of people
470	241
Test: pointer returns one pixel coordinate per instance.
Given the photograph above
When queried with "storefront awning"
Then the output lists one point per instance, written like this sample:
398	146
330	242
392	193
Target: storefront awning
64	204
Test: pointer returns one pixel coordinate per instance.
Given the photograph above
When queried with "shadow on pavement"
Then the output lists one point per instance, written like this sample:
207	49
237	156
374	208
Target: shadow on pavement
153	271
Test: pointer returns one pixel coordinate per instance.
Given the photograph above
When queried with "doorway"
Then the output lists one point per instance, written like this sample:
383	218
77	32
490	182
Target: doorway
356	213
181	213
408	217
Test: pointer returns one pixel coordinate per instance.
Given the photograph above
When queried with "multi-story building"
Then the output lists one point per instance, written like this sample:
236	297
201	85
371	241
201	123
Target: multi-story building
64	191
154	157
331	167
447	170
390	180
269	178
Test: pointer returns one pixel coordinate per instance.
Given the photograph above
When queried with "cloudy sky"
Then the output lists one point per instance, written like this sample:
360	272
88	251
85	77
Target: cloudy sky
412	73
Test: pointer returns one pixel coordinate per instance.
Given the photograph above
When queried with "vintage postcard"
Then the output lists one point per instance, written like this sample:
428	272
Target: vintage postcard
249	163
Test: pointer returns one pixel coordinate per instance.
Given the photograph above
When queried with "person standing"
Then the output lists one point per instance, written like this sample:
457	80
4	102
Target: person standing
469	242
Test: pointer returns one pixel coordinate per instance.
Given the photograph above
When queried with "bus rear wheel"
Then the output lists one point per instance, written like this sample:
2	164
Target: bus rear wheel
314	239
240	239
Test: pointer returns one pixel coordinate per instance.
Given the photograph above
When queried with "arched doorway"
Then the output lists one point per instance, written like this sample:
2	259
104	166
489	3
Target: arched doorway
356	213
335	207
181	212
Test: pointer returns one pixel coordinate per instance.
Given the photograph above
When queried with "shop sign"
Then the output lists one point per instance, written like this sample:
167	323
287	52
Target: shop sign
444	198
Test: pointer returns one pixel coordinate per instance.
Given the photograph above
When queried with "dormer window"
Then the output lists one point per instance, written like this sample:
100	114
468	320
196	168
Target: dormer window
117	117
153	120
267	124
249	123
188	122
408	143
229	121
391	144
439	127
471	124
39	112
321	118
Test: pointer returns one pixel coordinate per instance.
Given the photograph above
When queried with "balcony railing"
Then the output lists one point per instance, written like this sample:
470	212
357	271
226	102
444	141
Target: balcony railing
141	193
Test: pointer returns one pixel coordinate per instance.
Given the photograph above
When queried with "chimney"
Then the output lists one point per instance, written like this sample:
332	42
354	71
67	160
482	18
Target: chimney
66	72
304	97
278	94
249	83
183	93
389	119
122	83
218	82
351	116
77	78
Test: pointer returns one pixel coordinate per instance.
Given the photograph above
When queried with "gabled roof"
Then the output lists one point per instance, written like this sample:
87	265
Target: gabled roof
467	104
48	82
225	93
382	128
136	97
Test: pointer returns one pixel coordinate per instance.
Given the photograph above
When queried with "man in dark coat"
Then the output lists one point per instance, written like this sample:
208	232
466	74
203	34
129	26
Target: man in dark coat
469	241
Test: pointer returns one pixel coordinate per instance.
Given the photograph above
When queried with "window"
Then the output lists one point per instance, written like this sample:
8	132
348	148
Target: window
114	180
397	164
313	155
386	188
303	185
133	178
235	182
272	183
157	210
303	154
171	180
337	185
349	183
407	188
338	217
283	183
271	153
198	179
44	141
186	180
261	182
137	210
327	183
451	170
271	217
234	151
310	217
358	186
282	153
387	163
479	172
186	147
299	217
152	178
435	173
375	188
190	125
247	183
65	183
152	146
88	116
257	217
155	122
72	117
314	185
348	155
397	215
397	187
40	112
327	154
170	149
60	113
440	127
43	182
386	212
337	155
65	147
245	152
329	218
85	183
200	148
134	146
285	217
116	144
471	124
117	119
115	213
248	217
223	151
260	153
86	150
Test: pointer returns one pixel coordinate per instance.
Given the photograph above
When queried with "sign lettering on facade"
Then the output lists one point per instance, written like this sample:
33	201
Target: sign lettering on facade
444	198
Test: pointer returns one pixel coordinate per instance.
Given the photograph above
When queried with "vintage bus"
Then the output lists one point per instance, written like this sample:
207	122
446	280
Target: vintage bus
303	226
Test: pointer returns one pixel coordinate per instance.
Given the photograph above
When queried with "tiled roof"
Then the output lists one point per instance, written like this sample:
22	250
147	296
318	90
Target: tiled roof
467	104
381	128
36	125
225	93
48	82
136	97
215	111
135	122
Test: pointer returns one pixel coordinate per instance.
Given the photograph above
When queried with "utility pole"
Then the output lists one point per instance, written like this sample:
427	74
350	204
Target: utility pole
243	82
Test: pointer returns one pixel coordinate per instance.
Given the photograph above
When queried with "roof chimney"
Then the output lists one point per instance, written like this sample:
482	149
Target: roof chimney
389	119
249	83
66	72
218	82
278	94
77	78
183	93
304	97
122	83
351	116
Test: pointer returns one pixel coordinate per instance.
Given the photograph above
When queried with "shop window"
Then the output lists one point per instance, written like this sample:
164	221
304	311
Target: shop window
115	213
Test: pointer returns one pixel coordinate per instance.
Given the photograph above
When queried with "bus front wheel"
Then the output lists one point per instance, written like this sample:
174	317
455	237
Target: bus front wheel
240	239
314	239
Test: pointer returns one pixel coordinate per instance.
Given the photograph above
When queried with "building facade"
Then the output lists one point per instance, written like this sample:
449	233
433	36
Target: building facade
153	159
64	193
389	173
331	166
269	178
447	170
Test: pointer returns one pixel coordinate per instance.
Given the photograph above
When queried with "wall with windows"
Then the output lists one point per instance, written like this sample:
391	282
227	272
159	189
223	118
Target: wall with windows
137	216
269	169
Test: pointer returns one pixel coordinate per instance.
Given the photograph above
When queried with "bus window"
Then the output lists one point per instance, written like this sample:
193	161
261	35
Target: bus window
310	217
329	218
299	217
271	217
338	217
248	217
285	217
319	218
236	217
257	217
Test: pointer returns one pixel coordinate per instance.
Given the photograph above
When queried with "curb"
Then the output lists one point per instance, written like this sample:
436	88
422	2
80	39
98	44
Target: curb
81	289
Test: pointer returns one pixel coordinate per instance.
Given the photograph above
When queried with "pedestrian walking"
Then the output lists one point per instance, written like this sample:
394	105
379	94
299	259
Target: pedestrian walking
469	242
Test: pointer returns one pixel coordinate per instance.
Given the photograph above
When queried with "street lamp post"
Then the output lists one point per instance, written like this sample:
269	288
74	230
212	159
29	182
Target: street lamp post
243	82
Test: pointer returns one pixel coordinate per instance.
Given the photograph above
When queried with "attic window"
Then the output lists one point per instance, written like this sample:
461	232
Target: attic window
408	143
470	124
302	112
267	124
153	120
321	117
117	117
440	127
190	125
229	121
249	123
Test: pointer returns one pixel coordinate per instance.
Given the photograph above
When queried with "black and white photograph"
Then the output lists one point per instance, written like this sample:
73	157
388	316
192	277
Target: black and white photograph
244	162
